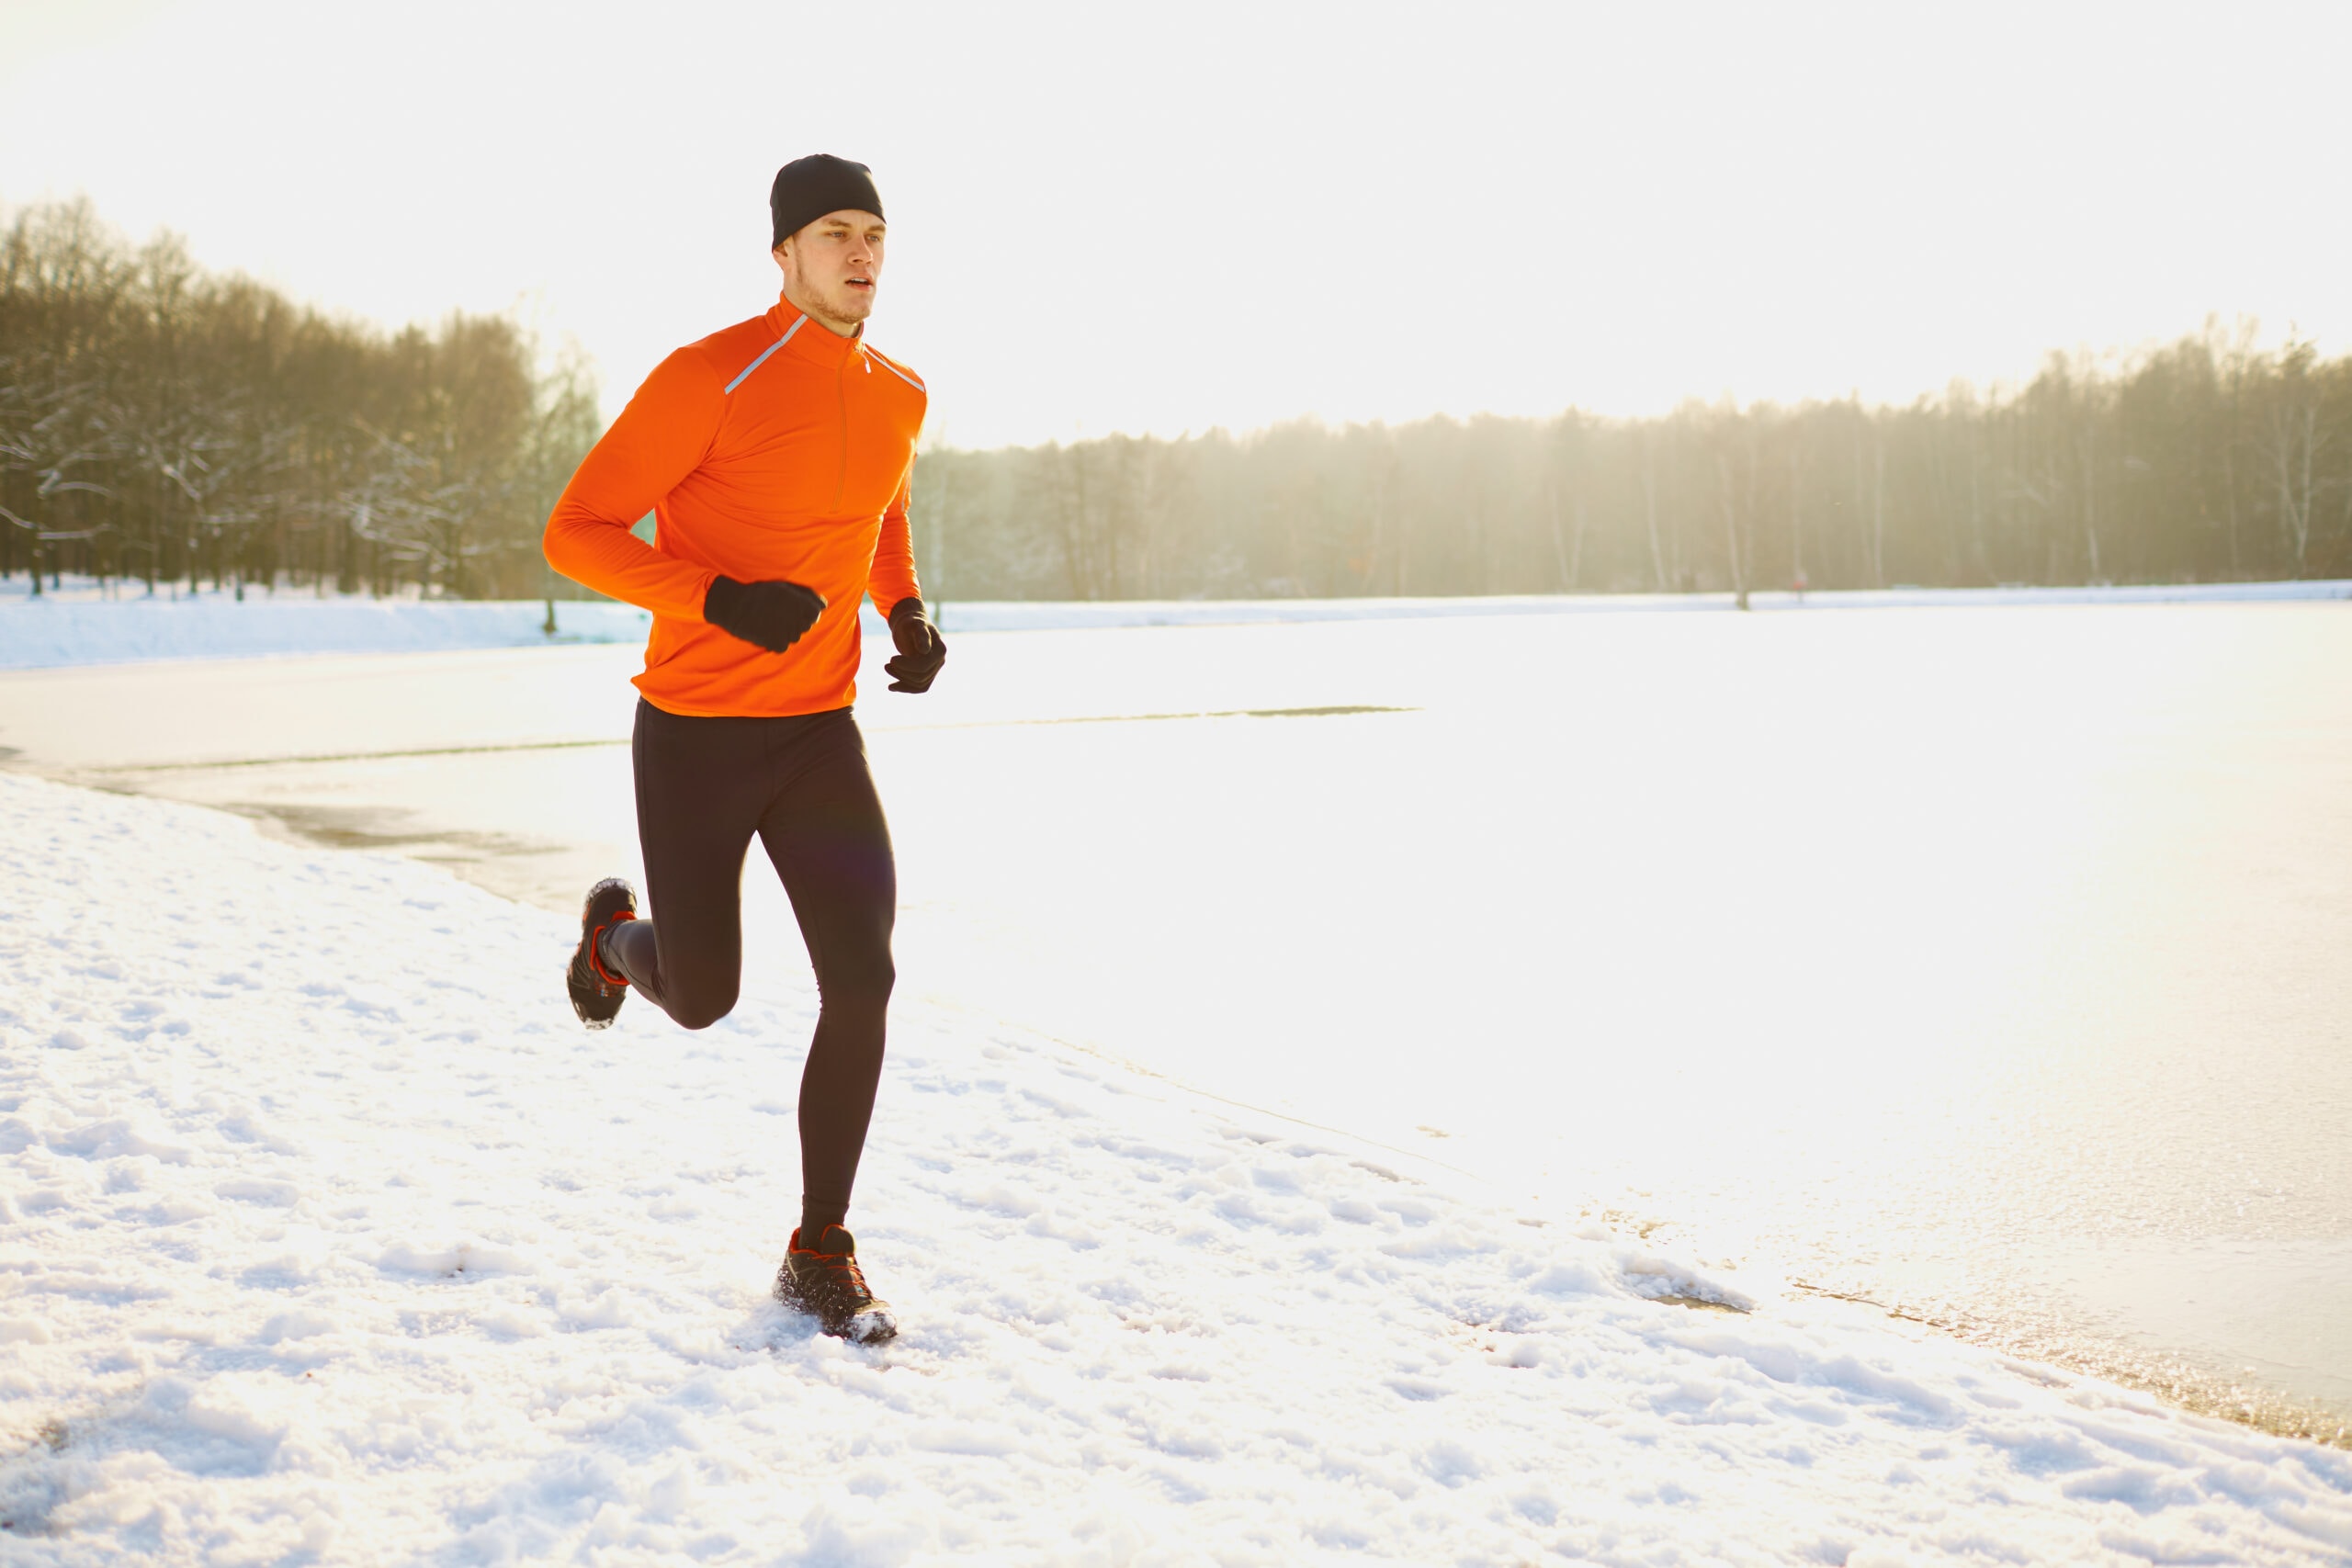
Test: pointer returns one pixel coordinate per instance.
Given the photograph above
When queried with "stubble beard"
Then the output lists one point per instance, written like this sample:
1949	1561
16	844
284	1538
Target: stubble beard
848	304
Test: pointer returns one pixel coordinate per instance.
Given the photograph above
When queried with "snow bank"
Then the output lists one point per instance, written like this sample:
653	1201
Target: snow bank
80	627
51	631
331	1237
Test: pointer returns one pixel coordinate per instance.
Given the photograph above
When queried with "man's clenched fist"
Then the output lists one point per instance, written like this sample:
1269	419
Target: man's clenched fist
773	615
921	650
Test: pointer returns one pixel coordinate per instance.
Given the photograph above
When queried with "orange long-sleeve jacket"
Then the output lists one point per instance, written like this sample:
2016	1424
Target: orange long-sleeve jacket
772	450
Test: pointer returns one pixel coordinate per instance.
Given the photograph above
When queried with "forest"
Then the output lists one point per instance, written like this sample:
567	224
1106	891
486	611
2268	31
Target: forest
161	424
2208	459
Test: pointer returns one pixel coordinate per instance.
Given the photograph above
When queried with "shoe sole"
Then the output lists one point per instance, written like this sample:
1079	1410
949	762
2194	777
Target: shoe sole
590	996
580	982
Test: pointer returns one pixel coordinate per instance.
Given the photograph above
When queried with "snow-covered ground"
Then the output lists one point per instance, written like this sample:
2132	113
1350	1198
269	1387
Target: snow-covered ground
84	624
88	624
331	1237
1063	617
2003	987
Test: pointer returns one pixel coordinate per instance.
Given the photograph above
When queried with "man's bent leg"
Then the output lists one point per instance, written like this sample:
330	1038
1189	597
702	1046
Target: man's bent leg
701	785
832	846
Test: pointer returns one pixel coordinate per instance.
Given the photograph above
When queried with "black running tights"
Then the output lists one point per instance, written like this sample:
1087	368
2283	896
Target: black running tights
704	787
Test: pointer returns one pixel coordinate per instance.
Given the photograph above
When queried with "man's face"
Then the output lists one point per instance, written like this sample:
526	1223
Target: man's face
832	266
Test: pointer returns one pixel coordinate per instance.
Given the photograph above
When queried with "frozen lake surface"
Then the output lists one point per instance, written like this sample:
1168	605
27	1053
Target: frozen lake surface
1987	963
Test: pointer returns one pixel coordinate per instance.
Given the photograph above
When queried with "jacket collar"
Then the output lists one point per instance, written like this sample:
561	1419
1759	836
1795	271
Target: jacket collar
814	342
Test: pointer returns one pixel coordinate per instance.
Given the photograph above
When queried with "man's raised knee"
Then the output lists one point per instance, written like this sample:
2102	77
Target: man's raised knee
701	1013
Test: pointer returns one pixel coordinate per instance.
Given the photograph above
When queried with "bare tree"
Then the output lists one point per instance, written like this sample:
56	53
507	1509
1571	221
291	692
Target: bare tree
158	418
2293	448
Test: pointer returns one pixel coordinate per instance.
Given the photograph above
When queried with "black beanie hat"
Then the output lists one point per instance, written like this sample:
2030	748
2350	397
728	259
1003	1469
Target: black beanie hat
808	188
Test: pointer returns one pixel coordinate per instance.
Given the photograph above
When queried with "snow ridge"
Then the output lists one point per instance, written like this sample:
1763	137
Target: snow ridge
73	628
331	1237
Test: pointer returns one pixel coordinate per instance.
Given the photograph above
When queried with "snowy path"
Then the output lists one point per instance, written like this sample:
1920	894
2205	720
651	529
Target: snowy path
329	1237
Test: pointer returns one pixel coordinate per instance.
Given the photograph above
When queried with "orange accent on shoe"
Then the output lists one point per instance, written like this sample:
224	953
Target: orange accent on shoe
595	960
842	1266
836	1263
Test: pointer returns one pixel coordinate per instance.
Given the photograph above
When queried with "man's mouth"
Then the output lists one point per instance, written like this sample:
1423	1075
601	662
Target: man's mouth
861	283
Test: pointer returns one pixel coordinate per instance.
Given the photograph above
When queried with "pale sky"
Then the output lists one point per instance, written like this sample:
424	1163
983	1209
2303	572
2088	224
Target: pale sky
1112	217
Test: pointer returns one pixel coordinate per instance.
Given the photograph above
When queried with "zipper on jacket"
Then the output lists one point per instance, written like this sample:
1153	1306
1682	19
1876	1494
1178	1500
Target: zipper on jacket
840	392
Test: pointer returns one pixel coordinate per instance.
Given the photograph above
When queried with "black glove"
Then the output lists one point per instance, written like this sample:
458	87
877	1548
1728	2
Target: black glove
773	615
921	650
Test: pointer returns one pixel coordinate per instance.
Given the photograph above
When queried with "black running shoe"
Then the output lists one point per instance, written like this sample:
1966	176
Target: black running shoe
825	1283
596	992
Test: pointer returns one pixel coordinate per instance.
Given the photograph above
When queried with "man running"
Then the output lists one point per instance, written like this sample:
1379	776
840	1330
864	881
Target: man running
774	457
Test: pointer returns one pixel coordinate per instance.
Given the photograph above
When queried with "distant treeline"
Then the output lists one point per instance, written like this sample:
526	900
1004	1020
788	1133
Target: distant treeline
159	422
2206	460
